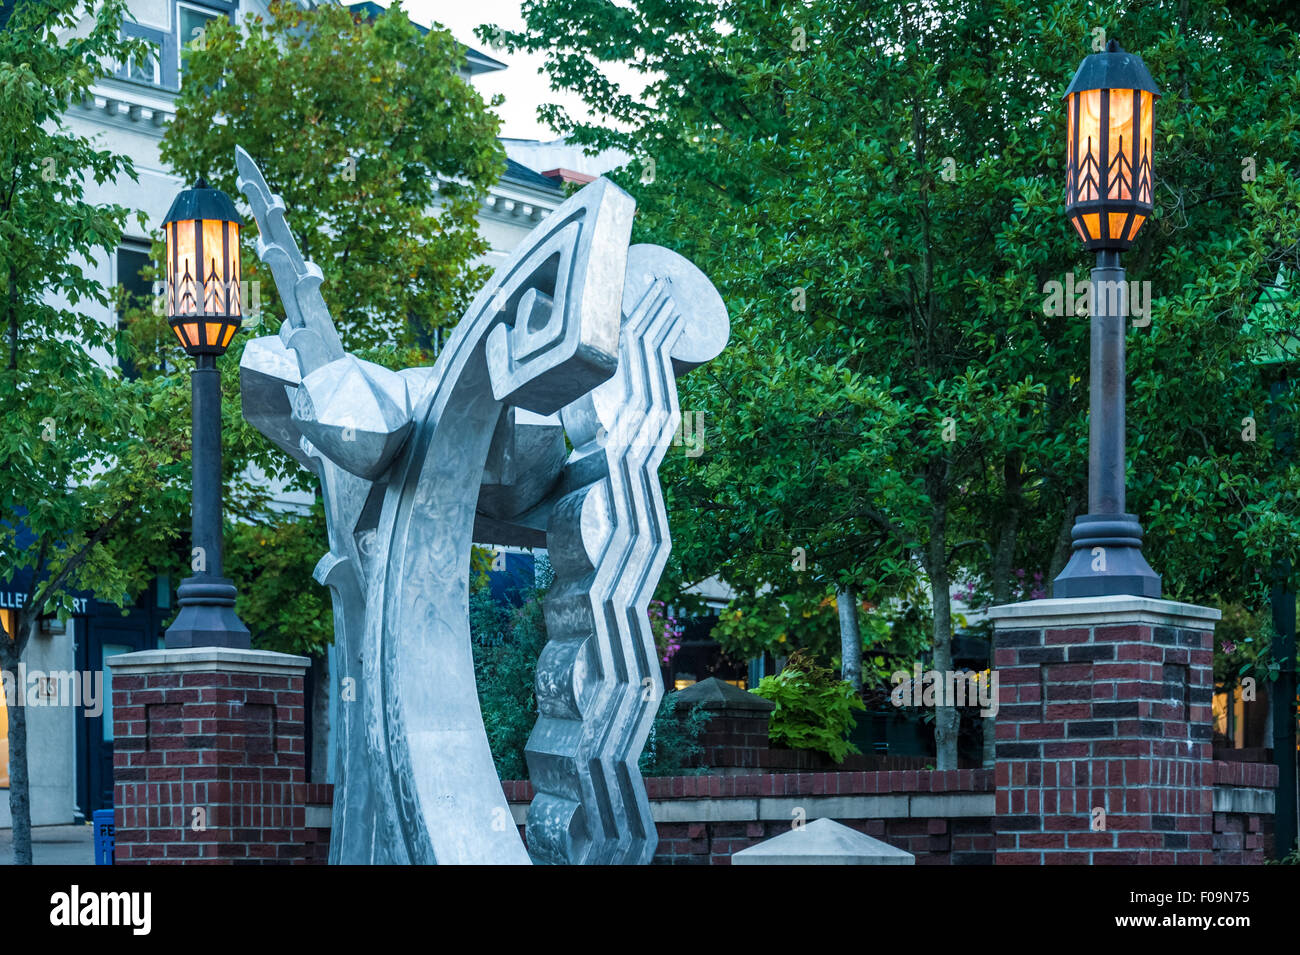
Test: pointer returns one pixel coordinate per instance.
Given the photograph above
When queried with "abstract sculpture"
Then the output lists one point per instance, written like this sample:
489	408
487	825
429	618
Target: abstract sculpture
576	335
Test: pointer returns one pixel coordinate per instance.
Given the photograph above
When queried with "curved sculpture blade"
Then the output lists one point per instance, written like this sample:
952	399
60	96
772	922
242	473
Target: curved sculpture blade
448	801
598	678
309	330
576	323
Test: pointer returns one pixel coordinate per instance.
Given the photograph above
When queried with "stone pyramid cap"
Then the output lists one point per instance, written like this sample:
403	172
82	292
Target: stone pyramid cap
715	694
823	842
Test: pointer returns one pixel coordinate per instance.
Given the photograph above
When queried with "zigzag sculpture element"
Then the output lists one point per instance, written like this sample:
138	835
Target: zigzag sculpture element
576	334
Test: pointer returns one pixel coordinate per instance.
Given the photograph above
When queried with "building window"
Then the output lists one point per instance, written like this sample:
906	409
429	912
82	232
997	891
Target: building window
136	293
153	68
106	651
146	68
191	28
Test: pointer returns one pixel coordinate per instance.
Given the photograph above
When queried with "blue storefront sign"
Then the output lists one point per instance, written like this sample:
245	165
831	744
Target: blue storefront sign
103	836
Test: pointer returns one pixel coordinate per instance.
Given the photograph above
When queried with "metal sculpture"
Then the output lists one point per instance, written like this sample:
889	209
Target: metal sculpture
578	334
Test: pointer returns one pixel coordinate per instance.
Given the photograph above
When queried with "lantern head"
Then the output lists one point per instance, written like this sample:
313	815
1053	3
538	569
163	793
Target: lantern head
203	304
1108	184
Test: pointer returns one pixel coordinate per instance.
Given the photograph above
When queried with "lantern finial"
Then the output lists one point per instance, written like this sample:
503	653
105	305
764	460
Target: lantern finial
203	269
1109	184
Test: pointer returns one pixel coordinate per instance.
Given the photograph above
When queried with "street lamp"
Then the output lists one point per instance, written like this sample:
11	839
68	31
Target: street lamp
1108	196
203	309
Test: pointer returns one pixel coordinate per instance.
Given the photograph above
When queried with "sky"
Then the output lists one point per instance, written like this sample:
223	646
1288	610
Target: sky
523	84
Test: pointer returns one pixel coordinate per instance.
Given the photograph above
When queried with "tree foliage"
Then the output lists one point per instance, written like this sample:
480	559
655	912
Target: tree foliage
875	187
383	153
90	480
271	559
779	623
507	641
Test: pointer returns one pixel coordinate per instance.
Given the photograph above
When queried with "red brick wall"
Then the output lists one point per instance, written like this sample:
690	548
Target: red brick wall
228	744
933	840
1242	838
231	743
1116	717
734	739
738	739
316	839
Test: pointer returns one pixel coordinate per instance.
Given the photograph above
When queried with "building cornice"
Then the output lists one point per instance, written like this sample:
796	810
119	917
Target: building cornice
125	105
120	104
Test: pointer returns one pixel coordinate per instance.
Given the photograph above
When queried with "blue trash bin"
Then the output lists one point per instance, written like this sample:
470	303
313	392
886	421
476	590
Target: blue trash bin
103	823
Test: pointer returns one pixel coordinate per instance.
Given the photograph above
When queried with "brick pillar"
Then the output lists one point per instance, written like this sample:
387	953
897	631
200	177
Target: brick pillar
736	735
211	729
1105	704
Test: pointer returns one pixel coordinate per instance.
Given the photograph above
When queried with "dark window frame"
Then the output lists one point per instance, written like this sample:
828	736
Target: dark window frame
165	41
138	247
215	8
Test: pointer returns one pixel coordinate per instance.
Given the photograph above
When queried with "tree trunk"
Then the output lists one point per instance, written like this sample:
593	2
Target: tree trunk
20	804
1004	554
1004	550
850	638
1064	543
320	718
947	721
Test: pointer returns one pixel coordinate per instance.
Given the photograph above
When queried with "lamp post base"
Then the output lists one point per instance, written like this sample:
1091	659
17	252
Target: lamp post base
1107	560
207	616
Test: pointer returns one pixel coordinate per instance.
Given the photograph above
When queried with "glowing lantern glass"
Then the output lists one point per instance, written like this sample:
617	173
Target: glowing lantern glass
203	300
1108	179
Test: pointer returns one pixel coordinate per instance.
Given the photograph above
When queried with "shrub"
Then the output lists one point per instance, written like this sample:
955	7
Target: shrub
506	642
814	710
674	741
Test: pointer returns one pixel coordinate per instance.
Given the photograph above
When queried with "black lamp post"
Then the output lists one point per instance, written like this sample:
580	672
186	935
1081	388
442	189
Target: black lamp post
1108	190
203	308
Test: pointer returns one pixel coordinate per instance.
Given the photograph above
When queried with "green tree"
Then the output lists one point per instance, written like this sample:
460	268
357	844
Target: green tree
91	476
271	561
383	153
507	640
779	623
876	189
